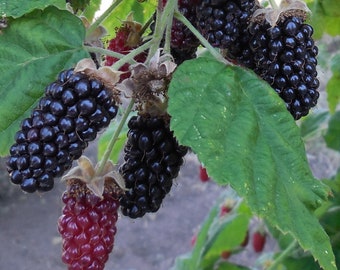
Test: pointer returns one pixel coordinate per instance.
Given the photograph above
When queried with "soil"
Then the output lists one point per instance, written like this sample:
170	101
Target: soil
30	240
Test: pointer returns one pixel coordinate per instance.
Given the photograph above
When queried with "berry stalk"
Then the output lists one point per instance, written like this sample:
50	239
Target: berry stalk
114	138
130	56
107	52
284	254
102	17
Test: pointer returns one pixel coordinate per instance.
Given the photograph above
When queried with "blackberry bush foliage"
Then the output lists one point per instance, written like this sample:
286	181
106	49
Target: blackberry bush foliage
285	56
73	110
224	113
153	159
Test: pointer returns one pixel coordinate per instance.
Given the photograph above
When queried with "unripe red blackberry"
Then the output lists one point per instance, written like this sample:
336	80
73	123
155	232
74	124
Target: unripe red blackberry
224	23
87	226
152	160
285	56
126	39
73	110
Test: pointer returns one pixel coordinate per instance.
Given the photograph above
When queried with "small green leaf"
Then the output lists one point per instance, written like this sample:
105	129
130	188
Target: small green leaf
312	124
325	17
91	9
332	87
33	50
17	8
225	234
223	265
240	129
333	133
141	13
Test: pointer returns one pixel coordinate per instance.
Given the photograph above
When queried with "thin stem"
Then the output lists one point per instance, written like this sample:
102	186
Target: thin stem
129	57
204	42
106	52
102	17
284	254
273	4
114	138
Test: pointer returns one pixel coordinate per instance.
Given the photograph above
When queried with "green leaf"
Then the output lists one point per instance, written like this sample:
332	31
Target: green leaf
191	260
300	263
91	9
333	132
33	50
223	265
312	124
241	131
225	234
17	8
141	13
332	87
325	17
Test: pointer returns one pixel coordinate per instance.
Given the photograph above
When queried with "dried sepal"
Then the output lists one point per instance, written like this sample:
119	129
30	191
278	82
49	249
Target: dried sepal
106	75
94	180
148	83
287	8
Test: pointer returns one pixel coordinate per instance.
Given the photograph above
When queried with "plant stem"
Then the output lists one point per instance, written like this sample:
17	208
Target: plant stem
129	57
273	4
114	138
284	254
106	52
102	17
204	42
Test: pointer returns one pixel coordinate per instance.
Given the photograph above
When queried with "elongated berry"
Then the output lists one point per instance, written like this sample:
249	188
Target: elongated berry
87	226
152	160
73	110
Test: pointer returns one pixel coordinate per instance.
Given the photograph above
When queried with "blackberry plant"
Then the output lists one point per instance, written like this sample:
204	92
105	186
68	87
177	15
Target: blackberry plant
227	115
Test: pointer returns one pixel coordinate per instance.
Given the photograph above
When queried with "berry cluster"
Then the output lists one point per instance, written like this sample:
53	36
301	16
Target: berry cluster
285	56
70	114
152	160
224	23
87	226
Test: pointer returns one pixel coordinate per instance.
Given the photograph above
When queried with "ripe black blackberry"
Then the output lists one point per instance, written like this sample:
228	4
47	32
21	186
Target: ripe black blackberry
285	56
224	23
152	160
69	115
183	43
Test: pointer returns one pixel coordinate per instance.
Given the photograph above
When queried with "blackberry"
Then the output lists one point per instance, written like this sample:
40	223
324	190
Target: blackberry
70	114
285	57
224	23
181	36
152	160
87	226
127	38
